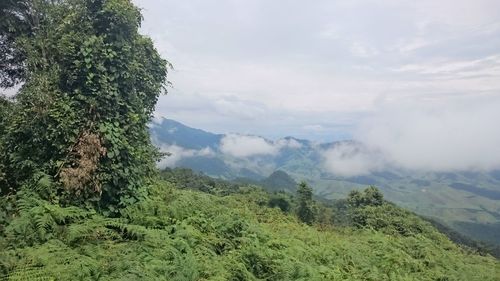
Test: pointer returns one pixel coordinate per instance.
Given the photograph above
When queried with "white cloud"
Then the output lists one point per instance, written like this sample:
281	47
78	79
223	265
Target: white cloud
156	120
244	146
177	153
351	159
314	128
412	44
460	134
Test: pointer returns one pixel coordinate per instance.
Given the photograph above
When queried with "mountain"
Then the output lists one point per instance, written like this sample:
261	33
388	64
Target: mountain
279	181
175	133
467	201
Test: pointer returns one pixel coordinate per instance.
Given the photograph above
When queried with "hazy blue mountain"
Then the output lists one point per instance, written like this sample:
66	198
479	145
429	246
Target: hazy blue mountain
207	165
468	201
172	132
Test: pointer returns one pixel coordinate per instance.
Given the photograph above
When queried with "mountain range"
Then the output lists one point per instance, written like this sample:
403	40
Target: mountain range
467	201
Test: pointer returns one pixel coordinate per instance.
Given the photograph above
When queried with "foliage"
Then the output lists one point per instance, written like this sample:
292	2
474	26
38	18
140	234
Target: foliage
371	196
306	209
188	179
5	109
181	234
17	18
280	200
91	83
367	209
466	242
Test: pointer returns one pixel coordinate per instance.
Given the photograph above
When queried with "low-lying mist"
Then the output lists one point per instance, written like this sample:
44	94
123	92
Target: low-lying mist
424	136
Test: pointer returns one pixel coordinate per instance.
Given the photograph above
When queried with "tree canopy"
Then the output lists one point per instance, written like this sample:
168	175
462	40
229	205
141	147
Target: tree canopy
306	209
91	82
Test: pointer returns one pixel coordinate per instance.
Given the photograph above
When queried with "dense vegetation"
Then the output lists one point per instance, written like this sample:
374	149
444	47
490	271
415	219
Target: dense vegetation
182	234
81	200
327	211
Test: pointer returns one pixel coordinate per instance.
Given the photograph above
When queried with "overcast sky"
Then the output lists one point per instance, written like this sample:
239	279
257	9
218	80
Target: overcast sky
325	70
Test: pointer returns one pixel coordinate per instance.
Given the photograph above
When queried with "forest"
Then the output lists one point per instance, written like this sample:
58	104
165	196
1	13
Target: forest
81	197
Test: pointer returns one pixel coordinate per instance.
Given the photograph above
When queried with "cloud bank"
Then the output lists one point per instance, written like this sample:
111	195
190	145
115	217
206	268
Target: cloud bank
352	159
243	146
463	135
177	153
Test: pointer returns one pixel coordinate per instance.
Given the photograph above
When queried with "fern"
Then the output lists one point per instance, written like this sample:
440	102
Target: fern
186	235
40	220
28	273
127	231
90	230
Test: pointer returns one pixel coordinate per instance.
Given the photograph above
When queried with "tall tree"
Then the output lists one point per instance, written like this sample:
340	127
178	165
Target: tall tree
306	211
91	84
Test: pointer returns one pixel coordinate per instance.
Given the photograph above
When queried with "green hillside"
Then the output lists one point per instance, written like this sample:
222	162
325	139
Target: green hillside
182	234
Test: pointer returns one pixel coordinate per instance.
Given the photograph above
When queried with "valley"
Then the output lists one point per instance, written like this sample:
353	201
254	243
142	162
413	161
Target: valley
466	201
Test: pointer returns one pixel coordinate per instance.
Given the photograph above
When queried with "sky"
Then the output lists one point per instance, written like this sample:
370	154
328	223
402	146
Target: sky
320	69
415	81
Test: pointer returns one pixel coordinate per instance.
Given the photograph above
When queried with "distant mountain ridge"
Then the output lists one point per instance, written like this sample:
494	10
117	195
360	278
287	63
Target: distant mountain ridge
176	133
467	201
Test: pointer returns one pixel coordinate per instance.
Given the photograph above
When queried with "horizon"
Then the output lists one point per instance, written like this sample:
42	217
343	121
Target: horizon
159	119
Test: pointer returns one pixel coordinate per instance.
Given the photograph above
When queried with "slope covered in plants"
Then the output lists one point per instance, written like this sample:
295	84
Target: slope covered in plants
180	234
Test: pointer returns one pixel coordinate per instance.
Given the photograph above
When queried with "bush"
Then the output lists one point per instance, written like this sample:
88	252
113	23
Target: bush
280	201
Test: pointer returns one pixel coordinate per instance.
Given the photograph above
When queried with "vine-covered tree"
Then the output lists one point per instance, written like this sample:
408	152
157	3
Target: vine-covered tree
91	82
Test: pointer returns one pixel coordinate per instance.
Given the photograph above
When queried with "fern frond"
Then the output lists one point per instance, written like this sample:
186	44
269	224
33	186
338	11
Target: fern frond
67	215
90	230
28	273
127	231
44	223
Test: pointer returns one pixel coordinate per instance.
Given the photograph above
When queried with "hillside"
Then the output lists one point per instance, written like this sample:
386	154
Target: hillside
466	201
185	234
